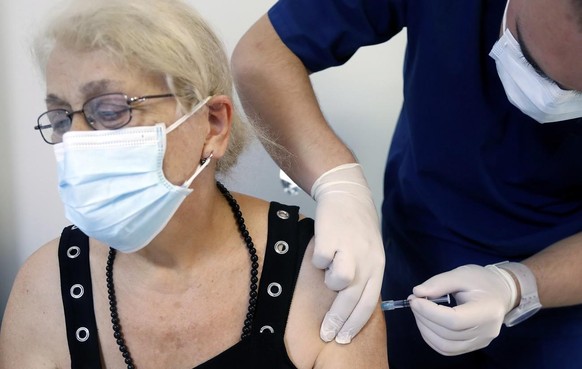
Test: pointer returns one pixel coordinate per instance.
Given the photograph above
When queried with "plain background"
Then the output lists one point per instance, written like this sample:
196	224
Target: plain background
361	100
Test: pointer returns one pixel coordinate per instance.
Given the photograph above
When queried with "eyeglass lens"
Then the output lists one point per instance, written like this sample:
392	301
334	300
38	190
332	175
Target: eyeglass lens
109	111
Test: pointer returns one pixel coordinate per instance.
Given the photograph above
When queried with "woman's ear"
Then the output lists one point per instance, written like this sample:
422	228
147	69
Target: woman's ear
220	119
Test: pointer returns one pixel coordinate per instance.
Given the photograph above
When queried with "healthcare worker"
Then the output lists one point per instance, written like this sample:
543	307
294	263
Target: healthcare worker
485	166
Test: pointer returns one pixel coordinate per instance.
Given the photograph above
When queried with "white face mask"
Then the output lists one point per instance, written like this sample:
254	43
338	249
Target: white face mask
534	95
113	186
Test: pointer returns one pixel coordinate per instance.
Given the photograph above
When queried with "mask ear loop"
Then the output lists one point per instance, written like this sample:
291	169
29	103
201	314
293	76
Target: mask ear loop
186	116
203	164
504	21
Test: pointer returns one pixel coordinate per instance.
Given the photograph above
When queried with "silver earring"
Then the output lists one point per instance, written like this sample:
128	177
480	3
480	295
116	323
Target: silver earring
206	158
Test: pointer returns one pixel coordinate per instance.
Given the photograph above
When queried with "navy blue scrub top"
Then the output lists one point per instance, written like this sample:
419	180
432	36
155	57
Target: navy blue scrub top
469	178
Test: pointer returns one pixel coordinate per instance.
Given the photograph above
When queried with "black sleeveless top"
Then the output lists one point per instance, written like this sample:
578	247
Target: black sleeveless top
286	243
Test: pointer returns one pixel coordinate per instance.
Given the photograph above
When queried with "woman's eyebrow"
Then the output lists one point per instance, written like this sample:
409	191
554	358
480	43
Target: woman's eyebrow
54	100
94	88
88	90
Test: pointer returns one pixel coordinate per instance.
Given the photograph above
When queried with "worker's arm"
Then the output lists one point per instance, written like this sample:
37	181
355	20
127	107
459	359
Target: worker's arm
276	93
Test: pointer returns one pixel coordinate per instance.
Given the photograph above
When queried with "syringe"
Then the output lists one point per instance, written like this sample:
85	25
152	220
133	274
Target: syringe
398	304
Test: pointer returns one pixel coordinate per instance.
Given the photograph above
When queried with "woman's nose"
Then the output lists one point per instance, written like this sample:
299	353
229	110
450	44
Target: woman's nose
79	121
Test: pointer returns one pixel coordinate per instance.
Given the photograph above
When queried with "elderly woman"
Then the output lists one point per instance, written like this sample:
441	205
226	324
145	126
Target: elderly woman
161	269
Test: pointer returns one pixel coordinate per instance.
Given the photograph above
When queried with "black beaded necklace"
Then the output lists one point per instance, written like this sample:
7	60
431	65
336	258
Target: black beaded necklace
117	334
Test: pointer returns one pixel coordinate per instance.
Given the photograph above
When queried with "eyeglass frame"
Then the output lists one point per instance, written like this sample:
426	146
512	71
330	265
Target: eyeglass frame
90	122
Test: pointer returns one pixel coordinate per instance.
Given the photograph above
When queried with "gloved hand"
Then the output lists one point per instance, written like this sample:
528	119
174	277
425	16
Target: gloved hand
484	296
349	247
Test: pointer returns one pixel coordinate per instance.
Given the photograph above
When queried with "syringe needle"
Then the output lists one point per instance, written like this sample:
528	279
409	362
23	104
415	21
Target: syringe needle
398	304
394	304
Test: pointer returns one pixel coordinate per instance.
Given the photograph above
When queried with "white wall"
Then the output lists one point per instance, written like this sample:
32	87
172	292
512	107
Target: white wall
361	99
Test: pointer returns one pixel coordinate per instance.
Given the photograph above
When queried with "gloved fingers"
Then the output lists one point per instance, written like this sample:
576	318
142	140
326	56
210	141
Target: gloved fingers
444	346
341	272
482	296
325	245
361	313
455	342
442	316
472	320
326	241
454	280
444	332
340	310
457	318
442	338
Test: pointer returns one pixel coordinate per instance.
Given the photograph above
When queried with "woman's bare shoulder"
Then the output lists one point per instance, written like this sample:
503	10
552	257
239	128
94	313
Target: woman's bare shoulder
33	327
39	271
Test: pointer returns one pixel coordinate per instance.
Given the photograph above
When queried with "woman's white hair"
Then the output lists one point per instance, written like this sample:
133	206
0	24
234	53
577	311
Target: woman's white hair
160	36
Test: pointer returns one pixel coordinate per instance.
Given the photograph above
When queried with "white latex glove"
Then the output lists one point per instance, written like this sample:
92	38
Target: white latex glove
349	247
484	296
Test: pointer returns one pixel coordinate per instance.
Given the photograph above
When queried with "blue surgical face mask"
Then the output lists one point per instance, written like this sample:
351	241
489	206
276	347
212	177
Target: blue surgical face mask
534	95
113	186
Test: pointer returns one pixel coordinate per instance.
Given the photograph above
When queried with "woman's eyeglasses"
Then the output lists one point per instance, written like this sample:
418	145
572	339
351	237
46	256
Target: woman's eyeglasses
108	111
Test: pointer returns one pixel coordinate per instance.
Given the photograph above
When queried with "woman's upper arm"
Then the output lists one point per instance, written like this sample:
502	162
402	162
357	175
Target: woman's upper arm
311	300
33	333
367	350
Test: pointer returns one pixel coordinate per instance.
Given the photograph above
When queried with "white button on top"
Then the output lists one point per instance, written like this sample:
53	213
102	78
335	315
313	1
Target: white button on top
283	214
266	328
82	334
281	247
274	289
77	291
73	252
